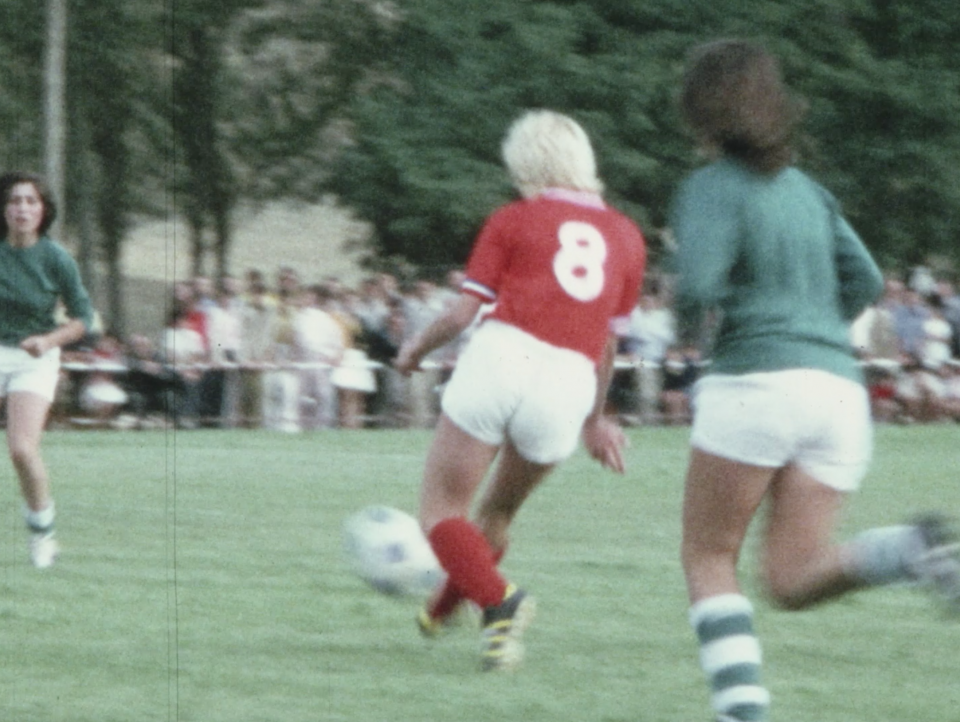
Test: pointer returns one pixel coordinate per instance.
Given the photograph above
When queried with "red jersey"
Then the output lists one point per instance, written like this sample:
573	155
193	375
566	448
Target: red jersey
561	266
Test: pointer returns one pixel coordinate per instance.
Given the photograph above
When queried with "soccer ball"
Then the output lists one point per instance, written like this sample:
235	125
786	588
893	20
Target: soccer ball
387	549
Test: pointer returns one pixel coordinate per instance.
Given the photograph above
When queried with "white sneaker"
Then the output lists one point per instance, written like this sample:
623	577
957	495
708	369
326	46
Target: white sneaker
937	563
44	549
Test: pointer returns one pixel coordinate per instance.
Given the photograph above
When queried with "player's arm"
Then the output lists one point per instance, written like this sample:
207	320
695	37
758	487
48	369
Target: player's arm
458	316
67	333
602	436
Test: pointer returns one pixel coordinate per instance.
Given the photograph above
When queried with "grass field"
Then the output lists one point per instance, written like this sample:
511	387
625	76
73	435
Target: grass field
201	581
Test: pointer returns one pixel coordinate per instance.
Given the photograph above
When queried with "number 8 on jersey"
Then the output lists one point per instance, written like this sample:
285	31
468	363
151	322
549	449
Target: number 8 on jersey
578	264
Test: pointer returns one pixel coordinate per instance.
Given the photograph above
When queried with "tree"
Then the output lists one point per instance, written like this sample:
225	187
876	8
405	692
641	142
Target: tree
258	88
880	79
106	66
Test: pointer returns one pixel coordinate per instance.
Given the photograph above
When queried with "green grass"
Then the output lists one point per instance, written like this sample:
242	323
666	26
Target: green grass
201	581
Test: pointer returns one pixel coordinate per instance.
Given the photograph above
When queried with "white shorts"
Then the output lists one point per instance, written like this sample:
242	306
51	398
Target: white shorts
21	372
811	418
509	384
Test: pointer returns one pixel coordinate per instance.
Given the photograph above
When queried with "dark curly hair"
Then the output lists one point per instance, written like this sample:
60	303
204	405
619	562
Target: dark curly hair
733	97
9	180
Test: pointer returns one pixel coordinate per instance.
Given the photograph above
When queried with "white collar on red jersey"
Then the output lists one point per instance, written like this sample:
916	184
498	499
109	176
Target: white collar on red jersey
583	198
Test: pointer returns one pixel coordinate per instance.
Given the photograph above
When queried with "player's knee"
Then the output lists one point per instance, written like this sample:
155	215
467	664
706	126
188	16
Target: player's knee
22	453
782	590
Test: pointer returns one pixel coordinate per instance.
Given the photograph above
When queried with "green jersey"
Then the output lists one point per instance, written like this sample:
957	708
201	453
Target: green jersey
32	280
773	257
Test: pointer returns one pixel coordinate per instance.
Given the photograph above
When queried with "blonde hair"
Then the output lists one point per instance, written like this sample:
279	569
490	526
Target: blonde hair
544	149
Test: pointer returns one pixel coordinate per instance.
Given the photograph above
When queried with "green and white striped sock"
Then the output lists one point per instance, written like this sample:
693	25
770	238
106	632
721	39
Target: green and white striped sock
730	657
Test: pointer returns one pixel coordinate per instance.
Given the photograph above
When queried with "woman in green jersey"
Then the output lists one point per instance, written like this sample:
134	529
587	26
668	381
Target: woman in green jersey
36	274
781	414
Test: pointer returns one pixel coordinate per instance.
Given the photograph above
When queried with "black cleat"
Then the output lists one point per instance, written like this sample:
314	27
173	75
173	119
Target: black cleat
503	627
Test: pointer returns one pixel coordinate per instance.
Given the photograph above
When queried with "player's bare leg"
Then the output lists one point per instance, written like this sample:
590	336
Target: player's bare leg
27	415
721	498
456	466
514	480
802	566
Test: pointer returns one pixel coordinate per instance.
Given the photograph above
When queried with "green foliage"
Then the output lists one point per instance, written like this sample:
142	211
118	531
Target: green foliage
879	77
21	84
197	106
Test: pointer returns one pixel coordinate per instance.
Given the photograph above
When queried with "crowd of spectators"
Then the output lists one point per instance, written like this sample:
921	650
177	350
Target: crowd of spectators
283	354
260	352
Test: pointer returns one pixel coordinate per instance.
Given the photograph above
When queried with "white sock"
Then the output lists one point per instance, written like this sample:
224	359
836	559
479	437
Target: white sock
40	521
880	555
730	657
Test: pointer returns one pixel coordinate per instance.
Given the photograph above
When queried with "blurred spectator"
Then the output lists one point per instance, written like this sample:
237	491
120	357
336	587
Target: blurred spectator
421	306
937	345
204	293
319	343
951	312
921	281
917	389
389	402
681	368
183	349
185	305
652	332
150	385
220	385
254	279
874	334
281	391
882	378
258	317
950	401
371	305
353	378
909	317
874	338
101	395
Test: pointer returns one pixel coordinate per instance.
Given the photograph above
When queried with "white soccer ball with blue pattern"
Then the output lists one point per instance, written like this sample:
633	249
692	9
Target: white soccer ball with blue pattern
387	549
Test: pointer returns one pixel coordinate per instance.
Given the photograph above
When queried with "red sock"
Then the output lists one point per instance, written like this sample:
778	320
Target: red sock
449	597
465	555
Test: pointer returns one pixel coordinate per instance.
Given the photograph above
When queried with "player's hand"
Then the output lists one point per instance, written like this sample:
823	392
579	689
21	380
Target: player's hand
605	441
36	346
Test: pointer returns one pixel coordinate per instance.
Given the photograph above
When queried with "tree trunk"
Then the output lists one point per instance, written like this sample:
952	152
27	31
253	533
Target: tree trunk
86	213
198	248
115	283
223	241
55	102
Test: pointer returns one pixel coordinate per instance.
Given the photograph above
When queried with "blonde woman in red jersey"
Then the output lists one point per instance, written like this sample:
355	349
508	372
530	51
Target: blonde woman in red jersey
561	269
